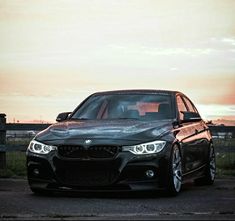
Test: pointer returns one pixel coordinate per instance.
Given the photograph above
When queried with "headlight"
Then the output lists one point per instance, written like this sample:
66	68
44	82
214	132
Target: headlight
146	148
37	147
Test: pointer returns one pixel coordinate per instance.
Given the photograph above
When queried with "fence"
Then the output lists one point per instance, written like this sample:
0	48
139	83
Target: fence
14	139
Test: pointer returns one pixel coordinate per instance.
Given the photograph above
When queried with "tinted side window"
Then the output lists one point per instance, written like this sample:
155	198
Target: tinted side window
181	106
189	105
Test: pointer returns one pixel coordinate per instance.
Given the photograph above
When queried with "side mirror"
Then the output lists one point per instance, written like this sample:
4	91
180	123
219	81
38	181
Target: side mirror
190	116
63	116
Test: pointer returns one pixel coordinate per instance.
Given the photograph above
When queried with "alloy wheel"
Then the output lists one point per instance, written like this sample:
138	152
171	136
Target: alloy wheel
177	169
212	163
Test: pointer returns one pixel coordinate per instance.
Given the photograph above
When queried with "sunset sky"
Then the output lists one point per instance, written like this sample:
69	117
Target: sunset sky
54	53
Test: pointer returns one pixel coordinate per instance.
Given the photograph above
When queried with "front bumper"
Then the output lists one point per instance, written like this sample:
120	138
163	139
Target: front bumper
126	172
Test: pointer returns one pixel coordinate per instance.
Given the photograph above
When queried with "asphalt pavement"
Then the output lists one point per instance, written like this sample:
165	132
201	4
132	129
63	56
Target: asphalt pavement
215	202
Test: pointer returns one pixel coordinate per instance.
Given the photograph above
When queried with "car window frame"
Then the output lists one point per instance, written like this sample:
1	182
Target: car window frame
178	111
188	108
194	107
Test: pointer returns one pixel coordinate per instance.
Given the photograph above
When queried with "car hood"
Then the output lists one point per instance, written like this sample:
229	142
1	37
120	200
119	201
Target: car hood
104	131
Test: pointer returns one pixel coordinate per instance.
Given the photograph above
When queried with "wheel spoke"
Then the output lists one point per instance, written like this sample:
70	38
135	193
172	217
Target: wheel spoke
212	167
178	177
178	161
176	169
176	165
212	158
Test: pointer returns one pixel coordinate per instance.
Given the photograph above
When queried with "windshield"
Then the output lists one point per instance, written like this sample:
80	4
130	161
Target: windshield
144	107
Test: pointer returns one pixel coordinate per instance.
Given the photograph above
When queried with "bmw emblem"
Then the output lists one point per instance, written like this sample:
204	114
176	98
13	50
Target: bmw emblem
87	141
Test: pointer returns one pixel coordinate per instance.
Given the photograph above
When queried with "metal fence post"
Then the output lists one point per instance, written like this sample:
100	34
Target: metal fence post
2	141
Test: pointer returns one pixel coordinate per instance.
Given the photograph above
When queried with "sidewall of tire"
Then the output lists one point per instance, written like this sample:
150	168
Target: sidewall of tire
207	179
170	189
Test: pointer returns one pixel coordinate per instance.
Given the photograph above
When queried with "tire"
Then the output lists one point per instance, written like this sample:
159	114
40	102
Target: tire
174	176
210	171
40	192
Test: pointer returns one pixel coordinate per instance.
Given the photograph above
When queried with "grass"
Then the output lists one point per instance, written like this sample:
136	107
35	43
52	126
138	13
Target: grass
225	163
15	165
225	156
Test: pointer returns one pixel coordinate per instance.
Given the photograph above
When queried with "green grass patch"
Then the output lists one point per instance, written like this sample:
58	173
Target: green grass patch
224	173
225	163
6	173
15	165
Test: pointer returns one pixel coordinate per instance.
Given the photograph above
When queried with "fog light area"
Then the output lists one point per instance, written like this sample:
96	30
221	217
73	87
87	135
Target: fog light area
150	173
36	172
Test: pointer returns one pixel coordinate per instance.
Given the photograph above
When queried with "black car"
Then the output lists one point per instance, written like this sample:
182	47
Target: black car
123	140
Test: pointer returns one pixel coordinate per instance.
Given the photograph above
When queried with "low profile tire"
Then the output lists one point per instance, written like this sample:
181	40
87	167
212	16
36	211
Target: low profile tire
209	177
174	178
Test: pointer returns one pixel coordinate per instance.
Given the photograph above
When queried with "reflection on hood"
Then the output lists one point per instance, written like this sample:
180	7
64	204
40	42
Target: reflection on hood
106	129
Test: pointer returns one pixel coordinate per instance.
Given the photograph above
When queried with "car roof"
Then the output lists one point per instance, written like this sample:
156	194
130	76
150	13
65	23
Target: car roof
138	91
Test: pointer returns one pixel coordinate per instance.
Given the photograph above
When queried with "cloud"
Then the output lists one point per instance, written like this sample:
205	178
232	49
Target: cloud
230	41
209	111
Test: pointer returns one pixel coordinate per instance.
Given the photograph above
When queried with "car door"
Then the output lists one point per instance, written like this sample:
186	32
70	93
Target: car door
188	137
201	138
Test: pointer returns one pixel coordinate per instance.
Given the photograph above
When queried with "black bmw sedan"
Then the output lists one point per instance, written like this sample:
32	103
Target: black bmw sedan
123	140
